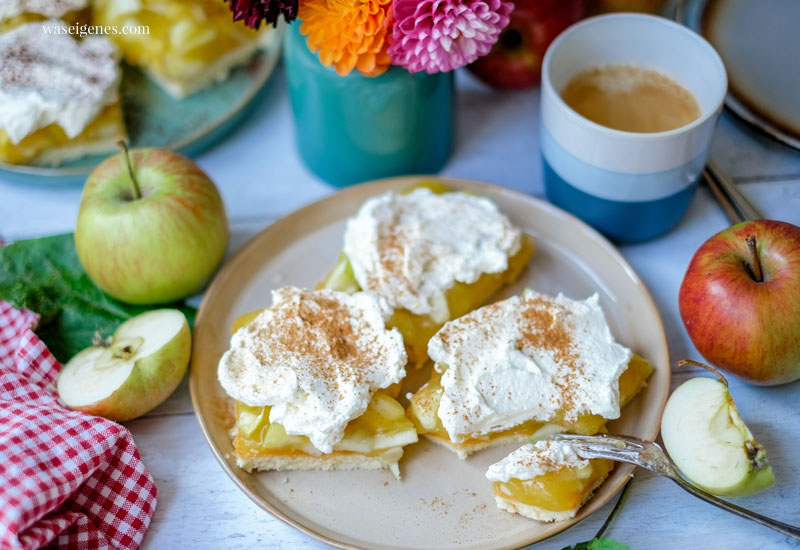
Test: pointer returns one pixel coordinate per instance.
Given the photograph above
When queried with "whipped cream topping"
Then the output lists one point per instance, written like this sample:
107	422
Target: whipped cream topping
48	8
52	78
411	248
315	357
526	358
535	459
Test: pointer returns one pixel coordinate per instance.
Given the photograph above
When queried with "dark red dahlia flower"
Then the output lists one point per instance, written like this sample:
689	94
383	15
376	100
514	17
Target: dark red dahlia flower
252	12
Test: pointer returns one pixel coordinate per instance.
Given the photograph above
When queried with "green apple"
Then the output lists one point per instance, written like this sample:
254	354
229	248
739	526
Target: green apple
134	372
151	227
708	441
740	301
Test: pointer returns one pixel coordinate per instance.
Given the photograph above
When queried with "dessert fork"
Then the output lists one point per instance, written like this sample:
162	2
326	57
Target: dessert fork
650	456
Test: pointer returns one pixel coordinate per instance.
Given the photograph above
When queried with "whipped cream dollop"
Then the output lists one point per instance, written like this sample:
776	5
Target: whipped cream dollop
535	459
525	358
48	8
411	248
52	78
315	357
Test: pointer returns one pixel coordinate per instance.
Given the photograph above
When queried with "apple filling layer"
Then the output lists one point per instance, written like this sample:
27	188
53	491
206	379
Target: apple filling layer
381	431
556	494
423	410
50	145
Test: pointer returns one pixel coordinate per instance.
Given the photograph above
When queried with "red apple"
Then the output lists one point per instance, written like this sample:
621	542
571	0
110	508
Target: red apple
740	301
515	61
605	6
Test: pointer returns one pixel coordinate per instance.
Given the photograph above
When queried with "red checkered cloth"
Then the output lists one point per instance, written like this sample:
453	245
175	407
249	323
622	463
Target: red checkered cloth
67	479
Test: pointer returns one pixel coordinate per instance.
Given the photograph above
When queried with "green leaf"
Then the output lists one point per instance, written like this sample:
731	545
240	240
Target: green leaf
598	544
45	276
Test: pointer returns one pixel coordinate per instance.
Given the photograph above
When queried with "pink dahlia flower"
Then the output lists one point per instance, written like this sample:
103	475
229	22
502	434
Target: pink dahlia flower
442	35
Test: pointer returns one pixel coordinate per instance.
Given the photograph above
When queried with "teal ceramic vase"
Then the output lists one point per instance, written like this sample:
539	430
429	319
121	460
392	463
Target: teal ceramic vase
354	128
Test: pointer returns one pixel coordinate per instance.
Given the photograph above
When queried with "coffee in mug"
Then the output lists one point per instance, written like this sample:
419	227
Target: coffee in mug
632	182
630	99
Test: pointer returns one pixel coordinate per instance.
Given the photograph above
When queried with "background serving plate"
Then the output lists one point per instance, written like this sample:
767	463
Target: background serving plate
441	502
155	119
759	43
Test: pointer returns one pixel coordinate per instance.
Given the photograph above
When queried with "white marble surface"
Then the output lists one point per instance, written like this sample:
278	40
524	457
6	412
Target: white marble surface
200	508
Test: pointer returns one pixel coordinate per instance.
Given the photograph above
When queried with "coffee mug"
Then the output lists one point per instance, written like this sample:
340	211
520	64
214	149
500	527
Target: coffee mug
631	186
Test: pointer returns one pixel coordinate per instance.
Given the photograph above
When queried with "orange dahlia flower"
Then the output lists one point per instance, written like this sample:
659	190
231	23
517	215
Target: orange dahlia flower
349	34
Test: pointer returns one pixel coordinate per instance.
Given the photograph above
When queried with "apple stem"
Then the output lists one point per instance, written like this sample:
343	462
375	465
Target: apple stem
137	193
751	244
709	368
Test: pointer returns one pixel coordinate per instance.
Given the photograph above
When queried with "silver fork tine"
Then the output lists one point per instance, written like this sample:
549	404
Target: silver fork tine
650	456
621	448
619	442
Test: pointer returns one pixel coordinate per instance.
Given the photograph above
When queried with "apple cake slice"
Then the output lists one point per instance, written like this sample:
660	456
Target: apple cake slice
546	480
59	97
433	253
526	366
309	375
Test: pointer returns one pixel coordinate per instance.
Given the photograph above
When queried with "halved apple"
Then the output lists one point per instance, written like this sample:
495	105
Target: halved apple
709	442
133	373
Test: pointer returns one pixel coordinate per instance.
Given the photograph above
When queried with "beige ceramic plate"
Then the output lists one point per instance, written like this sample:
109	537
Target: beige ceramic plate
758	42
442	502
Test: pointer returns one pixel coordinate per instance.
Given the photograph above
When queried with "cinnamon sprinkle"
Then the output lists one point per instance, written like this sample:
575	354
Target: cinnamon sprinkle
533	460
412	248
320	329
391	249
541	329
52	8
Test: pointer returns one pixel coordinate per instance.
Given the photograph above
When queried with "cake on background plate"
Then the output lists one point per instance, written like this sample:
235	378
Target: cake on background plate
59	97
190	44
14	13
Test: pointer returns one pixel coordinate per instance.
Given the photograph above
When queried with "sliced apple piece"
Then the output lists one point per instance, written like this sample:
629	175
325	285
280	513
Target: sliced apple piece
709	442
341	277
140	367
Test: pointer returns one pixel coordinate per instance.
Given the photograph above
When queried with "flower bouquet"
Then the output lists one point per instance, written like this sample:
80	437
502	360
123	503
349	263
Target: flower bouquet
370	80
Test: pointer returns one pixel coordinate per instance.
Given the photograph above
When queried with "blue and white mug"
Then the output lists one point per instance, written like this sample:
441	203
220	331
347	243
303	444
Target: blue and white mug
631	186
